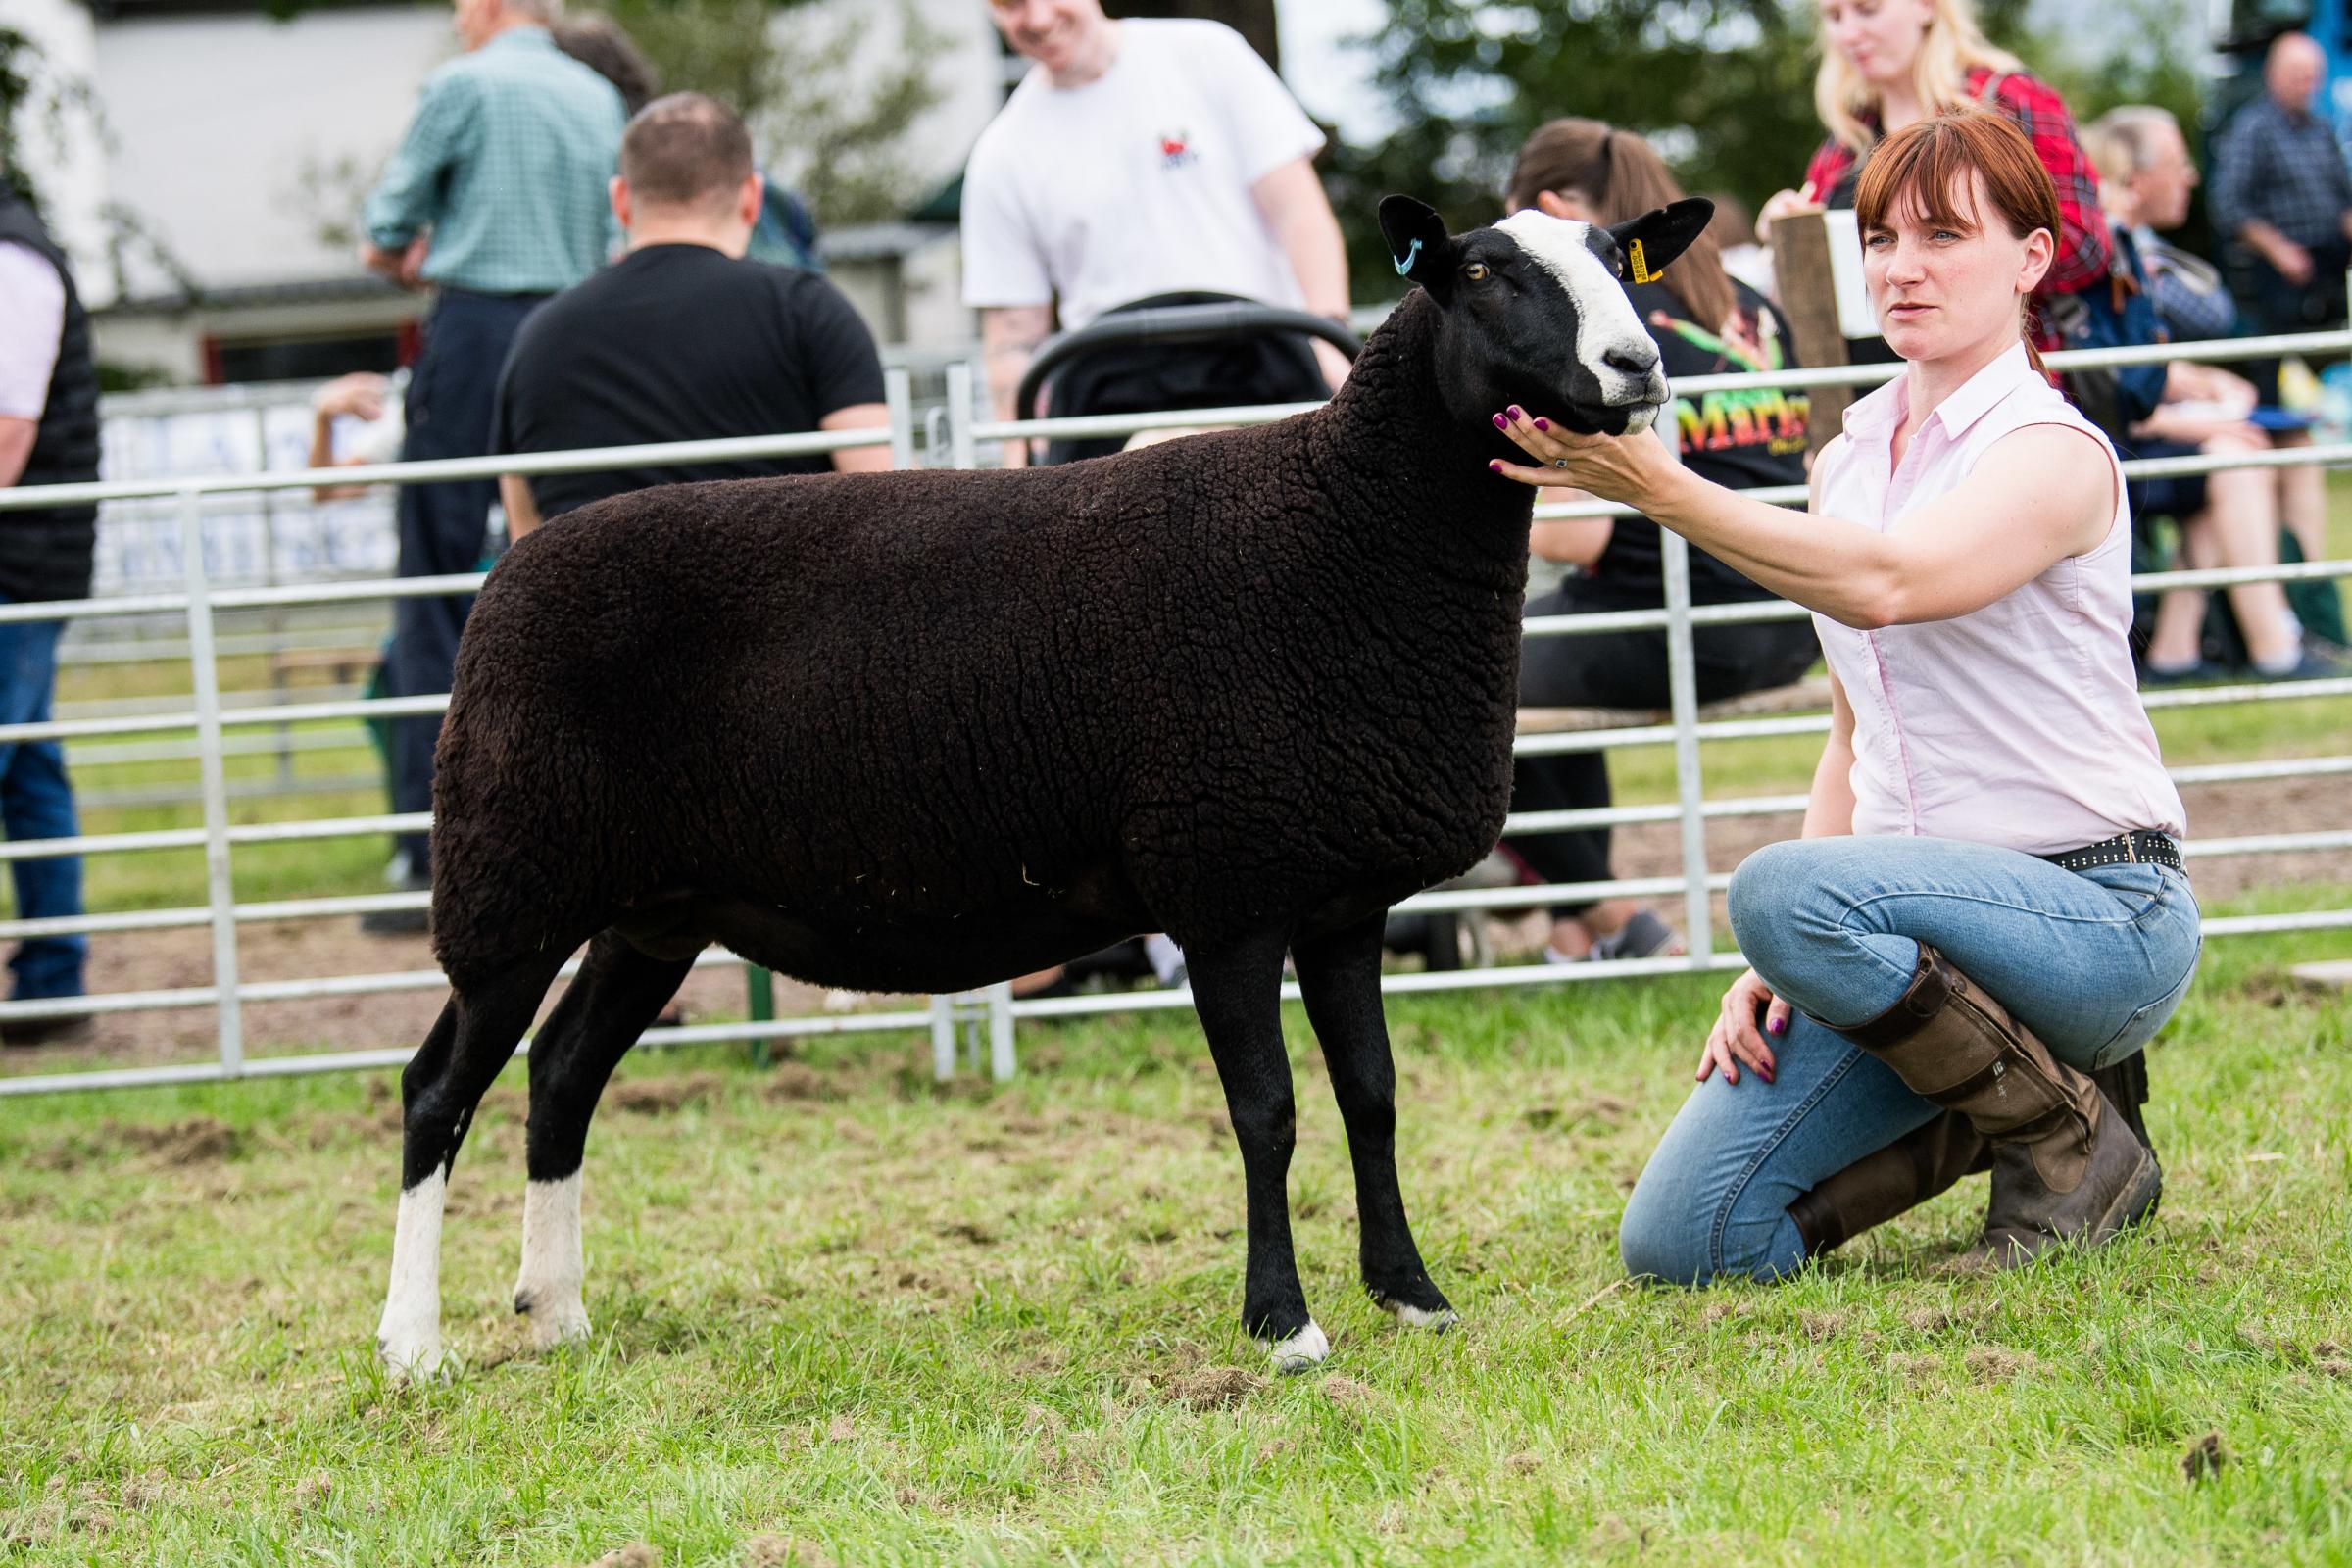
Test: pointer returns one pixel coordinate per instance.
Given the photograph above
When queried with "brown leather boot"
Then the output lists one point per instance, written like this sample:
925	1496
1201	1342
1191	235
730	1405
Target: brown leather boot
2065	1167
1891	1181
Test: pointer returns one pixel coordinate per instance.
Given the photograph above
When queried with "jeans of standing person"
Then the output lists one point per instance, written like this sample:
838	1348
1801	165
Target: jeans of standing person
442	526
1623	669
36	801
2092	962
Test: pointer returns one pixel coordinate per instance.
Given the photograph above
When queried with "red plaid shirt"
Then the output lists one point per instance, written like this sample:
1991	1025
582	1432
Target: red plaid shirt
2035	106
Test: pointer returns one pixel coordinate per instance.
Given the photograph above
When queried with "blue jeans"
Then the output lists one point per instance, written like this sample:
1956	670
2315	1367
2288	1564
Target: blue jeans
37	803
2092	962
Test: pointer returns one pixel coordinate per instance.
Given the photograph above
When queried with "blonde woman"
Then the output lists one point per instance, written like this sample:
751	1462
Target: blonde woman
1889	64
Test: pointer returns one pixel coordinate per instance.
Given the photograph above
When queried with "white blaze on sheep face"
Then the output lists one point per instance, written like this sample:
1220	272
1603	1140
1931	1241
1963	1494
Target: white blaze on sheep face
548	1288
409	1337
1612	347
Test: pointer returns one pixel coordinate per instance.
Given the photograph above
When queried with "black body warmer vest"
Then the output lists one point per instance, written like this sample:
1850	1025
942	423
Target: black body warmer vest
46	553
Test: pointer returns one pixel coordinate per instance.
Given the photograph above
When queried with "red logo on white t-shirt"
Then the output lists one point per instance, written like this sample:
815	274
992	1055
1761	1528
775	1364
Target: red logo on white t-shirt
1175	150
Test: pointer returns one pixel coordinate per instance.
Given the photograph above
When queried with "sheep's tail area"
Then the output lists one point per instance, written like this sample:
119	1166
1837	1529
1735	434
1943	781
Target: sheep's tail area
520	840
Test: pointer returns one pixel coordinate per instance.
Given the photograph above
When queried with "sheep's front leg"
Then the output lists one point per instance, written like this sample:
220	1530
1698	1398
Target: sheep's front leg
1339	976
1237	989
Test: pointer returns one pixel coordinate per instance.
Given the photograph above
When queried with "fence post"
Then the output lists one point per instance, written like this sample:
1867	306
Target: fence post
943	1039
220	889
1682	685
898	396
963	452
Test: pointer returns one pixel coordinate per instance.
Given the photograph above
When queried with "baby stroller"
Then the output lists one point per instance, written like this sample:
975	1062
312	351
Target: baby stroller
1208	350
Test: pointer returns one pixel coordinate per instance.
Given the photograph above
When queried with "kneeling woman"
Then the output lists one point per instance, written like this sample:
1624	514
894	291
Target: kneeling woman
1987	902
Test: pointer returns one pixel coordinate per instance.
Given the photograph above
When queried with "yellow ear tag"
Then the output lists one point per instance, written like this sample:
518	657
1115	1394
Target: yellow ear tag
1640	265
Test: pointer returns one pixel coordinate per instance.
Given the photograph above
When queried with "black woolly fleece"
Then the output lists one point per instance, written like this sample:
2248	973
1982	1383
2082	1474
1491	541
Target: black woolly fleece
1255	678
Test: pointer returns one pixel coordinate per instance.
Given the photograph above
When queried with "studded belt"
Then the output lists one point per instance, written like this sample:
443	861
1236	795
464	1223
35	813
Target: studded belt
2124	849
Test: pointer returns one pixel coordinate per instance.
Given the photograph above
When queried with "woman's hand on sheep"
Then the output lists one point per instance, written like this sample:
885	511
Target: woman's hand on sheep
1735	1039
1614	468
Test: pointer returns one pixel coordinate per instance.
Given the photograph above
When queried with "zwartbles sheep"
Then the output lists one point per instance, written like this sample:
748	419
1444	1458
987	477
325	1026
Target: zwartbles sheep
923	732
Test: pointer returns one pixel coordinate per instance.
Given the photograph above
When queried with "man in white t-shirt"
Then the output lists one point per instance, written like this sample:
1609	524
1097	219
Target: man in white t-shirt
1139	158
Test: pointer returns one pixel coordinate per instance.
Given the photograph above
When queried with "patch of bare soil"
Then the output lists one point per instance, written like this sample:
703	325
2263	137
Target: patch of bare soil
1214	1388
154	960
166	960
2214	812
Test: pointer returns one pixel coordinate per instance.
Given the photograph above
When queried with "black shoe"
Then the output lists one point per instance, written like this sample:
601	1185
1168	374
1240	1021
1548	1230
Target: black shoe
399	923
2319	662
58	1029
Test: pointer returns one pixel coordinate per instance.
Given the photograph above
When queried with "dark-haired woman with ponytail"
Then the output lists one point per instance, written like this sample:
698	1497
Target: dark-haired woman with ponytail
1989	904
1704	322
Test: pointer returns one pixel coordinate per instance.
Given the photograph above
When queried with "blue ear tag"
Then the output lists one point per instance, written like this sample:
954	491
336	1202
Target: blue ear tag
1404	265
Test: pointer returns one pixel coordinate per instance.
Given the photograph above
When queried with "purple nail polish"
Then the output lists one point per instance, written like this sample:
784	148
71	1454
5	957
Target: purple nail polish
1543	425
1777	1025
1515	410
1501	423
1495	467
1764	1073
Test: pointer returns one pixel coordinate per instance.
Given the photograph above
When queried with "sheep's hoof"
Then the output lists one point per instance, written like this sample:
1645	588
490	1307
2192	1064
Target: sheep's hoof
1305	1348
412	1356
1436	1320
557	1317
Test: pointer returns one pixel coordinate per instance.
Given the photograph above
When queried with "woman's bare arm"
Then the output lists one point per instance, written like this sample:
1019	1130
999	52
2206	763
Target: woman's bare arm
2043	494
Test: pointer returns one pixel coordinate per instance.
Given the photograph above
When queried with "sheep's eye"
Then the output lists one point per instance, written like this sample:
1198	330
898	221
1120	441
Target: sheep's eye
1475	272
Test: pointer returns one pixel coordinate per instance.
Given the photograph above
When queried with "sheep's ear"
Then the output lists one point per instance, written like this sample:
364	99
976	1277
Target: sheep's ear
1659	235
1418	242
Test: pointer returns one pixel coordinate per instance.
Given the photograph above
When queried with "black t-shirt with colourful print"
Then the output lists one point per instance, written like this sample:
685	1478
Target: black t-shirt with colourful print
1740	440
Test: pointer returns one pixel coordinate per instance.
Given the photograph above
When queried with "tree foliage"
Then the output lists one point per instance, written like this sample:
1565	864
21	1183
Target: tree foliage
829	104
1724	88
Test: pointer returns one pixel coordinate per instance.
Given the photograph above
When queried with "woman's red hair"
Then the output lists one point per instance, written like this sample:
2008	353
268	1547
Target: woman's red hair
1929	164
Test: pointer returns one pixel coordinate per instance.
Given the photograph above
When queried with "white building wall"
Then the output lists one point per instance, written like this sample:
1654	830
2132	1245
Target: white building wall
69	171
213	118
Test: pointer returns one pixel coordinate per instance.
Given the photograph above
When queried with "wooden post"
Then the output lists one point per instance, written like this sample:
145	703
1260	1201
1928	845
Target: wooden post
1800	265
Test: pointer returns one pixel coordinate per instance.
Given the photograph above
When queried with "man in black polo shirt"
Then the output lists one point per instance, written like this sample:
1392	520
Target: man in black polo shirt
682	339
48	436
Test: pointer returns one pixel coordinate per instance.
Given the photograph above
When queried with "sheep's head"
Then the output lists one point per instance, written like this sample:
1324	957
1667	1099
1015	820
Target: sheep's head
1535	310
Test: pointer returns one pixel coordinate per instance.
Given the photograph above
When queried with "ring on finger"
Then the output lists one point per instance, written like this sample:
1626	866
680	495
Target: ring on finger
1559	462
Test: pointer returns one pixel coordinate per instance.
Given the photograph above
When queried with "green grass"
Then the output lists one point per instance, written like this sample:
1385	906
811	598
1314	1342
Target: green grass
836	1308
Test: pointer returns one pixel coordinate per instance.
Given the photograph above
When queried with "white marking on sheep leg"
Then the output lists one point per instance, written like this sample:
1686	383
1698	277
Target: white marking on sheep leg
1301	1349
409	1337
547	1290
1419	1317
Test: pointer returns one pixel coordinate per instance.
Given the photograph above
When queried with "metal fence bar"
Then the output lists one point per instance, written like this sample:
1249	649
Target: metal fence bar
1678	616
218	882
1682	690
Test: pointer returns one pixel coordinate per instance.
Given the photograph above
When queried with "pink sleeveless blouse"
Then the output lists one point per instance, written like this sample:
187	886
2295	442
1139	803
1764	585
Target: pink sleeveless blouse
2019	725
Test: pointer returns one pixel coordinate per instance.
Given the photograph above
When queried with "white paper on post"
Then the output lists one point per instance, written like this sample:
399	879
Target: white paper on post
1855	318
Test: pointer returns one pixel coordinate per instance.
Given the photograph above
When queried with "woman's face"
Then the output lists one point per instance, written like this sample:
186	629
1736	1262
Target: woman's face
1943	290
1879	38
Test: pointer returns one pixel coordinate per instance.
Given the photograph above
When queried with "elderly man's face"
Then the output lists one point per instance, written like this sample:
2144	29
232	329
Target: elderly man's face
2295	72
2161	189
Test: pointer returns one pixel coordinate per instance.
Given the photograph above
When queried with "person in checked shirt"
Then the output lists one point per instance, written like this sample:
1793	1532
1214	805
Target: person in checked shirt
2281	202
496	197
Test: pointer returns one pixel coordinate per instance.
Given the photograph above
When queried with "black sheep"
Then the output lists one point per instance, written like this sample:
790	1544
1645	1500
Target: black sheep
923	732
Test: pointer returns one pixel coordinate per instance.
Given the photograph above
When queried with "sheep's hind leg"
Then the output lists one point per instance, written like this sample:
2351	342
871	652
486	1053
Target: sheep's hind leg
1339	976
1238	991
617	994
442	1084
